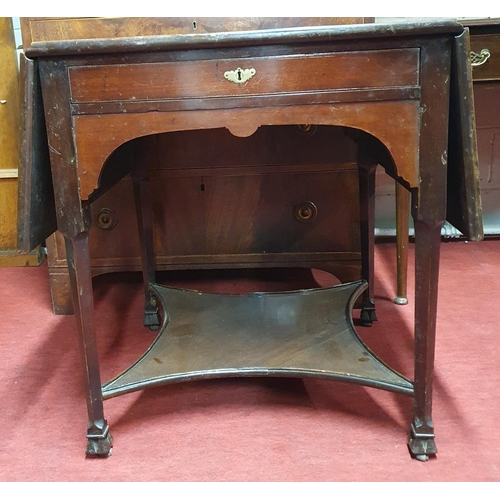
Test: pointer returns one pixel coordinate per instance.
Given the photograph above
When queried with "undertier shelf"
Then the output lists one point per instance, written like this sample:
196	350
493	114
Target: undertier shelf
304	333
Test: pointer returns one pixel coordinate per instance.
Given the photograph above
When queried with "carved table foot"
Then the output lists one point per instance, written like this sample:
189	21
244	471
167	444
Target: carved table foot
401	301
421	445
151	315
152	319
99	445
368	315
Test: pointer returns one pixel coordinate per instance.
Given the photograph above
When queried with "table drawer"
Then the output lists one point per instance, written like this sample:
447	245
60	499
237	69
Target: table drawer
268	75
490	69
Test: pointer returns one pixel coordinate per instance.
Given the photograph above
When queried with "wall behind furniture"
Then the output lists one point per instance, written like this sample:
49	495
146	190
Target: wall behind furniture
17	34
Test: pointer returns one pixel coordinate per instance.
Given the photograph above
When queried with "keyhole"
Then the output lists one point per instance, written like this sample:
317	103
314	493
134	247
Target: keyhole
239	74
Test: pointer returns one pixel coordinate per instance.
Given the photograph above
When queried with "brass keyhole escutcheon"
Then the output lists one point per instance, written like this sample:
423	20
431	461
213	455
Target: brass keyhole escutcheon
305	211
106	219
239	75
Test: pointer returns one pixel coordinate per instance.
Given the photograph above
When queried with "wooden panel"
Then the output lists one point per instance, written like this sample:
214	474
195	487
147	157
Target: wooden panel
244	215
51	29
9	136
198	79
269	145
123	127
37	219
464	210
9	154
9	97
180	224
8	212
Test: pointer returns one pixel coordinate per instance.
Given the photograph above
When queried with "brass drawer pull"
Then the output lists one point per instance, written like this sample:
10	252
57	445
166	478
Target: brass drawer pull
239	75
305	129
479	59
106	219
305	211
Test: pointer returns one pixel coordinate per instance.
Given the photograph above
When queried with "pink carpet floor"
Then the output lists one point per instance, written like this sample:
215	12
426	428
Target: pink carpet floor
252	429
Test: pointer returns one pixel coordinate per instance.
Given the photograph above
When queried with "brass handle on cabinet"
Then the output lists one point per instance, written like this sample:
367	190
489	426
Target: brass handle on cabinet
305	211
106	219
305	129
479	59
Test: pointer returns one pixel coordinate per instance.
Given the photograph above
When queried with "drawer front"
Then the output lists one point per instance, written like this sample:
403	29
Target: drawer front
490	69
233	215
270	75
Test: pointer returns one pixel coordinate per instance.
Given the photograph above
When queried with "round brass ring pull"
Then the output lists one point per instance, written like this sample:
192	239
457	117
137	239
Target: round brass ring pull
305	211
106	219
305	129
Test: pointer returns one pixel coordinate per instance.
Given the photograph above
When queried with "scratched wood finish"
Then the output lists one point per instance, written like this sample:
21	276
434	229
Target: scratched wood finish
36	217
51	29
202	79
463	184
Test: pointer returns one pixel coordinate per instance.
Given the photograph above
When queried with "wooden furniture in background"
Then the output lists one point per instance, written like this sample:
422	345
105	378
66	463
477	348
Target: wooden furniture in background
9	153
393	88
485	36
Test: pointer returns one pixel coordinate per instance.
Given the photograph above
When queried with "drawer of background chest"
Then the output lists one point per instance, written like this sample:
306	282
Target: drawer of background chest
490	69
152	81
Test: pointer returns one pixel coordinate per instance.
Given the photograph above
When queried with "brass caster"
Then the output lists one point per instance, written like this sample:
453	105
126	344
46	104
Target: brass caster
401	301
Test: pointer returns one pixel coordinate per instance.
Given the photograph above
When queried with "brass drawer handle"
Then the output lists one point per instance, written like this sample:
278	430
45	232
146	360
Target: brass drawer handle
239	75
479	59
305	129
305	211
106	219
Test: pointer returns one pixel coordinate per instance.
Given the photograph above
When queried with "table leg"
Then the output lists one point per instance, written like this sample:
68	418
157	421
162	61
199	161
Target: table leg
402	231
427	249
73	221
142	195
429	213
367	169
99	439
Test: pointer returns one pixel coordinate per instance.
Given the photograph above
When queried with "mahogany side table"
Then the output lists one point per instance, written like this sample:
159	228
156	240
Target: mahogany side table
398	89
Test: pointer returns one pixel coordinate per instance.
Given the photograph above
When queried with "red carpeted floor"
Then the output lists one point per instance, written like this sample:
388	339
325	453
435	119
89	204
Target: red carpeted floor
252	429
